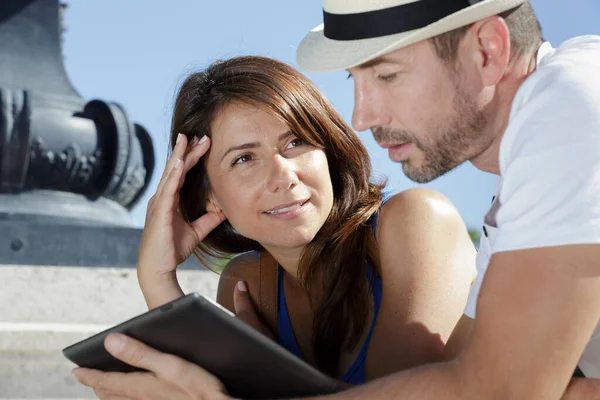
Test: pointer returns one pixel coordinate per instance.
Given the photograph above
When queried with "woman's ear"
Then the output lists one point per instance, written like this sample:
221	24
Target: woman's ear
212	205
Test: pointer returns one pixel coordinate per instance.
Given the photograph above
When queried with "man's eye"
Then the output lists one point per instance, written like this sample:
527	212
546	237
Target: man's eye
388	78
242	159
349	76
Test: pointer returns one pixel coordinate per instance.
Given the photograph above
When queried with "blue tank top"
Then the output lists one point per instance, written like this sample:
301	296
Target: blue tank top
285	334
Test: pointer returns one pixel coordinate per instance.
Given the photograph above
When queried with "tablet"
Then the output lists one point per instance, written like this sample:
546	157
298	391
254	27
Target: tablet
193	327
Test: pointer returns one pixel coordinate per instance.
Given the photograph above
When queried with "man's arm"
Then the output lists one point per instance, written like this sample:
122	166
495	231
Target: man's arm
460	337
537	310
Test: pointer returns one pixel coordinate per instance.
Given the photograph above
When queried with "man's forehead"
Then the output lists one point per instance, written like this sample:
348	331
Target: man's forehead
400	56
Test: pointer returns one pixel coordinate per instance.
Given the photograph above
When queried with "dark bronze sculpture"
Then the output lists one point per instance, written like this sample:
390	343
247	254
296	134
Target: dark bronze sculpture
70	170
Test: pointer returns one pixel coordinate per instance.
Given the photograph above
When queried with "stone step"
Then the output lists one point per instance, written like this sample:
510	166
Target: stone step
38	375
45	309
81	295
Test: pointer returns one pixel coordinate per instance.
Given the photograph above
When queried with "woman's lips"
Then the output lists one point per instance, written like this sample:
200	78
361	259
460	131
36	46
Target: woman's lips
288	211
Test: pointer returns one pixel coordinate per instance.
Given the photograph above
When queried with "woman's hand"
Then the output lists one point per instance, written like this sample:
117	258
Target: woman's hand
245	310
169	377
168	239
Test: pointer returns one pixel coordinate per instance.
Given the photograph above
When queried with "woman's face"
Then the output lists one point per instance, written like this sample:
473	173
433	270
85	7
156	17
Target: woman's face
272	186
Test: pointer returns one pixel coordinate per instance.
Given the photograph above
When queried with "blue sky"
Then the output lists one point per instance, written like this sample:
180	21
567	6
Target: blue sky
136	52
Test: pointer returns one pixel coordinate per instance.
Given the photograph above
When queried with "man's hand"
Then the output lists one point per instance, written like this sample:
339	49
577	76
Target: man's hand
583	389
169	377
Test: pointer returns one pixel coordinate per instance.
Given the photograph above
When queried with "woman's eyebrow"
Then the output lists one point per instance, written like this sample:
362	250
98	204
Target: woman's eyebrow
285	135
245	146
253	145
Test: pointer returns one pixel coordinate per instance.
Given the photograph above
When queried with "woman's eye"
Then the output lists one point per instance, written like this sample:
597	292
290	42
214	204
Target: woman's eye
296	142
388	77
242	159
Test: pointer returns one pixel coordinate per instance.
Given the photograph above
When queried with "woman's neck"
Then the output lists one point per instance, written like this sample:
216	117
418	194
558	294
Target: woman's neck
288	258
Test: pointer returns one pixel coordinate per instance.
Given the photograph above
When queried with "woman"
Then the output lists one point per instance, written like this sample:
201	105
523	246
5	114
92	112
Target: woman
365	288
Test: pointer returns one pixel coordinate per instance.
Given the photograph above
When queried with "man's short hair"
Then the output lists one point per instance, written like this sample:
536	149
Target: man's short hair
525	34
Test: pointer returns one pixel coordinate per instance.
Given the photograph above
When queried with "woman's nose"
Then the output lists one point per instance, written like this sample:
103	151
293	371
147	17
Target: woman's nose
282	174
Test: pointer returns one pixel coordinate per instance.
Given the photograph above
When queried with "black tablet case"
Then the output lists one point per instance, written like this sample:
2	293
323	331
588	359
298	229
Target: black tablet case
250	365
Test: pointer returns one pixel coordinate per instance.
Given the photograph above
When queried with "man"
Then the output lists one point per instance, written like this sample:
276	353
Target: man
454	82
441	82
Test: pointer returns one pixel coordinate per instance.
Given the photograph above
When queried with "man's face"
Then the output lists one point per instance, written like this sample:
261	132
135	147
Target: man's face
422	109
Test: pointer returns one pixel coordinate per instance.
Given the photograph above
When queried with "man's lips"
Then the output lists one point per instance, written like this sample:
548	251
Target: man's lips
398	152
390	145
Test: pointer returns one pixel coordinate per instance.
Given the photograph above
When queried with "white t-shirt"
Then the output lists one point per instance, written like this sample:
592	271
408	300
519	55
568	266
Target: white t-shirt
548	193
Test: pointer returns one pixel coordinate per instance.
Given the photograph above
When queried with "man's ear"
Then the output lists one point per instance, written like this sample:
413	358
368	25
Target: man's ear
493	49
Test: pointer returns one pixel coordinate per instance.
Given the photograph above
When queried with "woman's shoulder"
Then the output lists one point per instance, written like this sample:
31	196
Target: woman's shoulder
242	266
416	222
417	207
426	260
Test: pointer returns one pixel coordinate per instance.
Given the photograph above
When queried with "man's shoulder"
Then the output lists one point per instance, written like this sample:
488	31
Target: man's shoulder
562	95
574	63
581	48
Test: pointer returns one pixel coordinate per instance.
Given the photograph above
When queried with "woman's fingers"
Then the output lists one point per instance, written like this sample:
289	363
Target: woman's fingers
166	193
196	150
178	153
134	352
206	223
168	369
110	384
167	198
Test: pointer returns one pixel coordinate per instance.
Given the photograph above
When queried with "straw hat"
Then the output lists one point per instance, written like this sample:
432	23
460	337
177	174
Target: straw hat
356	31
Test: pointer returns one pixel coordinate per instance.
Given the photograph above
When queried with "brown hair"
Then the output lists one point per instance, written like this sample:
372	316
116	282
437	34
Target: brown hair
333	263
525	34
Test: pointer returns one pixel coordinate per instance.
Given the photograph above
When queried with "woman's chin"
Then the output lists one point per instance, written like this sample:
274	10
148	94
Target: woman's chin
289	241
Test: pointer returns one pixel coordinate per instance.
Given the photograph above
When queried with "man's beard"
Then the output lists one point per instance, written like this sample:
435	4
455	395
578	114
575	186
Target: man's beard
447	147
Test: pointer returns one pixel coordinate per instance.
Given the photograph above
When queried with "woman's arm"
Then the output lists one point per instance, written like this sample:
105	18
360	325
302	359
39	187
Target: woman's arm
427	266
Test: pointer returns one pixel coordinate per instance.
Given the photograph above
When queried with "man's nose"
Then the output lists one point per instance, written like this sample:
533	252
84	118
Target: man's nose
369	107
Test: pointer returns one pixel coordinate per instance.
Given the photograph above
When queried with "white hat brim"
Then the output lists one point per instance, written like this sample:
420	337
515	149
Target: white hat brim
316	53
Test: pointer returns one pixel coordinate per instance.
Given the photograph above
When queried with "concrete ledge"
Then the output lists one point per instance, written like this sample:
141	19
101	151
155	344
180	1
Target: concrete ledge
45	309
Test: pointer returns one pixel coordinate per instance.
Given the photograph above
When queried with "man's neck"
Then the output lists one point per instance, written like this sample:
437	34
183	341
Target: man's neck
506	90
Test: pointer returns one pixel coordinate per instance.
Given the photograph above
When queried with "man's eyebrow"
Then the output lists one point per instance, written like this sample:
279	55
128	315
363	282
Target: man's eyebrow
376	61
373	63
253	145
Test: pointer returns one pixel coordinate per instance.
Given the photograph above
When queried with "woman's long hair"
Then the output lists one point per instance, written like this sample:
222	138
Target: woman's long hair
333	265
